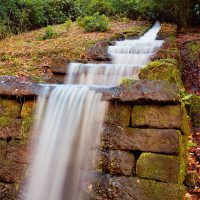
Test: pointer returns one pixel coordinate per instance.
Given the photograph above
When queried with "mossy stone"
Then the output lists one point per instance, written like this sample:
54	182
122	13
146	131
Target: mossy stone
157	116
166	70
28	109
10	108
164	168
195	110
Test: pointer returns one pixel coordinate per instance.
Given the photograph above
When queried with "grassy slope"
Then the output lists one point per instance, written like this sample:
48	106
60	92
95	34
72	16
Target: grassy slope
25	55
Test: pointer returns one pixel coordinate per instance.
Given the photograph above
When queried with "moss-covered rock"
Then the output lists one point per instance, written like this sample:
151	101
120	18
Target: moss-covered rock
159	167
157	116
162	70
10	108
123	188
28	109
119	114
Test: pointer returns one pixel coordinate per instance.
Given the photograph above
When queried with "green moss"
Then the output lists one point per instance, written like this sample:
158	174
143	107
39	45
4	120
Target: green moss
10	108
159	70
185	125
5	121
28	109
116	37
26	126
194	110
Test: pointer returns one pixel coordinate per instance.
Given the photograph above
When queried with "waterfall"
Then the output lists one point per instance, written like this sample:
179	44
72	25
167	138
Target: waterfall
127	56
70	119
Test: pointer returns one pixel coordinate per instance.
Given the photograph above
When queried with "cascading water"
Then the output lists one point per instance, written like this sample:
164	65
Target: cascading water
70	123
127	56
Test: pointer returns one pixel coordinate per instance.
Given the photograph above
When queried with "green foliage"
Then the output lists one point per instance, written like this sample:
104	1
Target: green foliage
49	33
67	25
185	98
95	22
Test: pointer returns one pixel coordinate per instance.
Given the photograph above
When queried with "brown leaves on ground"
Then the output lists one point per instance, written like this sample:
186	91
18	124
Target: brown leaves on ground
25	55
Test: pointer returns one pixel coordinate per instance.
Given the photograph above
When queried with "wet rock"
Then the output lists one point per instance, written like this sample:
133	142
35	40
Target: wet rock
159	167
8	191
123	188
147	140
98	53
11	172
118	163
15	86
56	79
157	116
145	91
118	114
10	108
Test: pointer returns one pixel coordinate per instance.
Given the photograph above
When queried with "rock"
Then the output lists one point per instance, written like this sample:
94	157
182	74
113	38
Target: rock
9	127
195	110
145	91
56	79
118	163
159	167
157	116
98	53
8	191
147	140
124	188
10	108
18	153
11	172
59	65
118	114
167	31
162	70
117	37
14	86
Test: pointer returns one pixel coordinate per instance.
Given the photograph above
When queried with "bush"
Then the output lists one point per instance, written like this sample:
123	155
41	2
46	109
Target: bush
96	22
49	33
67	25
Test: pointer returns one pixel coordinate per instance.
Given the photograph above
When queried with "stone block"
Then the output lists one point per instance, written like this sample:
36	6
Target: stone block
28	109
132	188
10	108
11	172
159	167
157	116
119	114
146	140
8	191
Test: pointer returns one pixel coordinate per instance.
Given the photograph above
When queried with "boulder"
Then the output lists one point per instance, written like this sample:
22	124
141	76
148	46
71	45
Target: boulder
157	116
146	140
132	188
98	53
8	191
159	167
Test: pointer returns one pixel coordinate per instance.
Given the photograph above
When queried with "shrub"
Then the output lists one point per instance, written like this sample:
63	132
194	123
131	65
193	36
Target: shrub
67	25
49	33
96	22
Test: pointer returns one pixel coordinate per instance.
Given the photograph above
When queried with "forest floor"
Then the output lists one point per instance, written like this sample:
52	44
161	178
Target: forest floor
26	54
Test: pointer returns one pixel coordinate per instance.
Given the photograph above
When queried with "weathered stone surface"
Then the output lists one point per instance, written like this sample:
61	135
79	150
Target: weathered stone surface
11	172
147	140
10	108
118	114
9	127
59	65
14	86
98	53
145	91
158	167
123	188
118	162
157	116
18	153
8	191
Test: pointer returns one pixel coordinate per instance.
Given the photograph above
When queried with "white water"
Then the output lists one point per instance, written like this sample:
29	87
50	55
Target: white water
69	130
69	125
127	56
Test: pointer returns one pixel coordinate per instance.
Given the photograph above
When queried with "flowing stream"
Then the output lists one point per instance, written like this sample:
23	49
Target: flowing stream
70	120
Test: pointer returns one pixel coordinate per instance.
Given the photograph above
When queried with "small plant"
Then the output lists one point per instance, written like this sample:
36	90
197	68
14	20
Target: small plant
191	144
185	98
49	33
96	22
67	25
